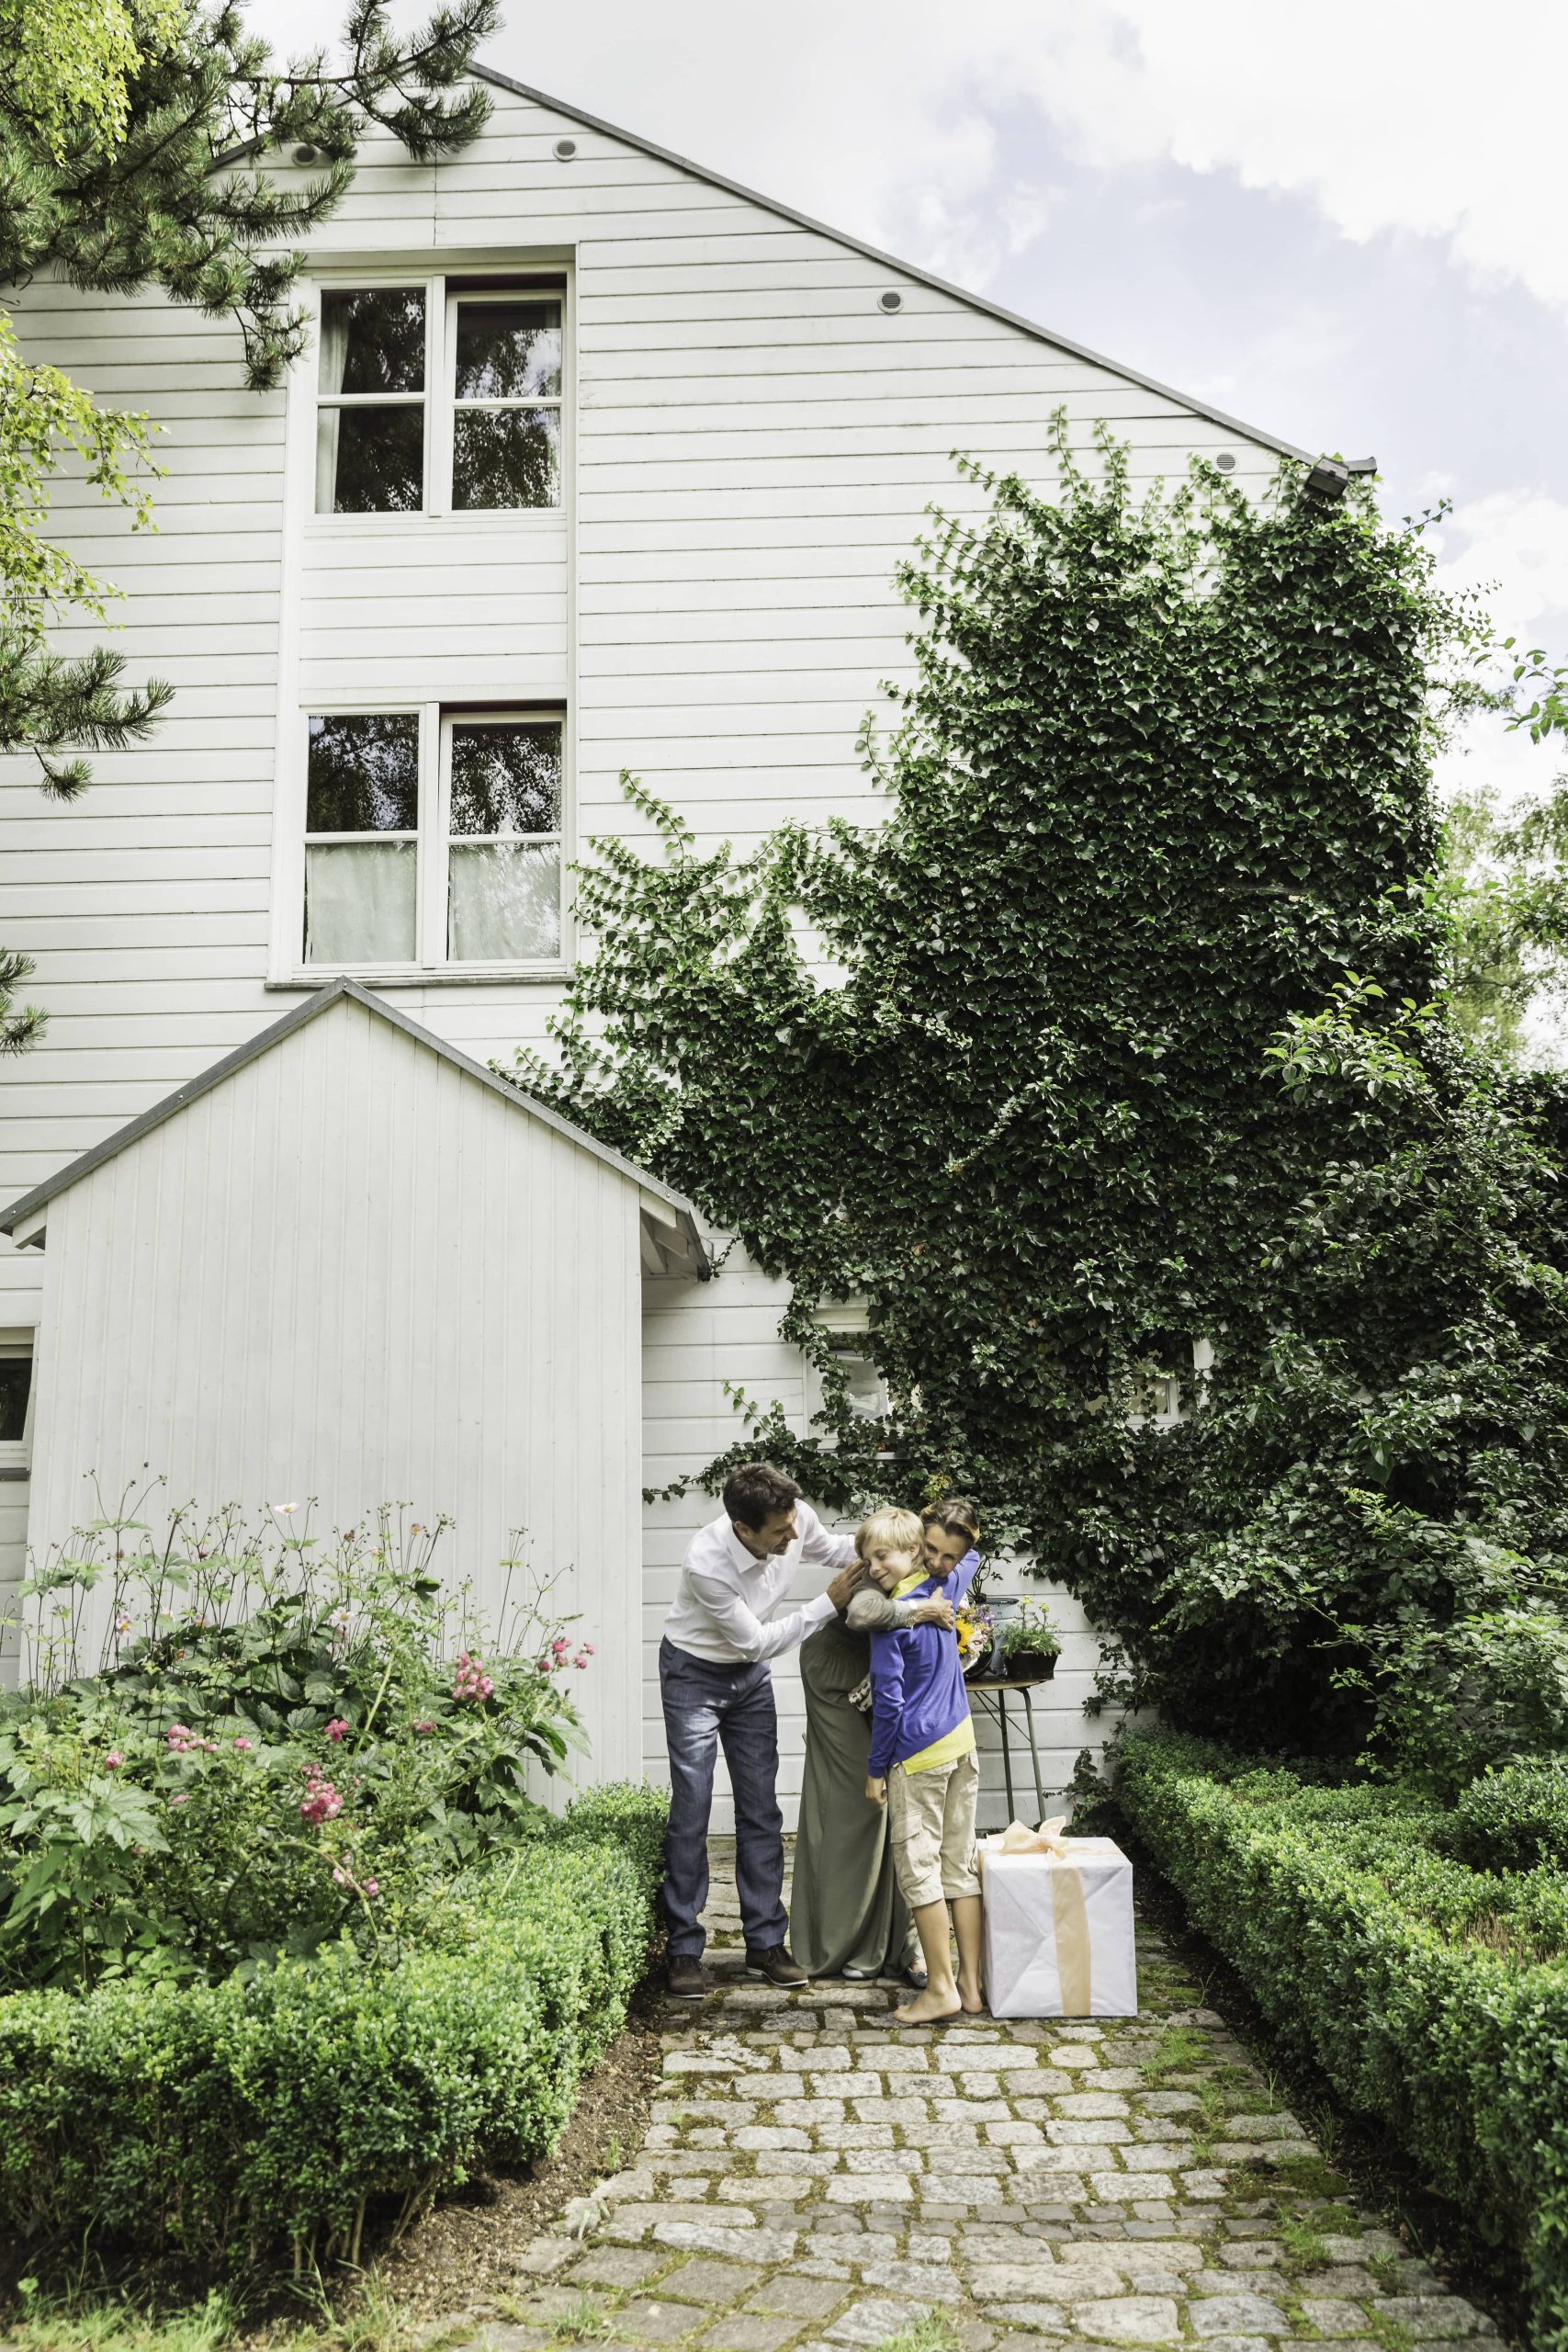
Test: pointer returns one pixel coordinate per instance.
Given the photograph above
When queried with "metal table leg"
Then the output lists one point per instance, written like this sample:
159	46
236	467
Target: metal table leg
1000	1696
1034	1752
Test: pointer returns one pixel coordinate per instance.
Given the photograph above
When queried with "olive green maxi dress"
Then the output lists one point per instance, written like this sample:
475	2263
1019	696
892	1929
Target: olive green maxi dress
845	1908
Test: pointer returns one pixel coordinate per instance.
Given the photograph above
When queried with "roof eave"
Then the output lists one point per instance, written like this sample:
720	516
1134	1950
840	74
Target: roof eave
24	1211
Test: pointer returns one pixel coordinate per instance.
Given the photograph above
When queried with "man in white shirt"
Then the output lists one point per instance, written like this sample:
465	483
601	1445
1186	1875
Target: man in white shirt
717	1688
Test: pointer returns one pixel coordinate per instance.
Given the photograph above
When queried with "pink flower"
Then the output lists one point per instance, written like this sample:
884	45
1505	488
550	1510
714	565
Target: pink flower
336	1728
113	1760
423	1725
371	1889
560	1644
321	1801
244	1746
182	1798
340	1876
587	1649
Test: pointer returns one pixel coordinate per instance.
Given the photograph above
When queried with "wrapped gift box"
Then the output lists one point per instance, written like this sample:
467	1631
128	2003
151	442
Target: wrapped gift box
1058	1924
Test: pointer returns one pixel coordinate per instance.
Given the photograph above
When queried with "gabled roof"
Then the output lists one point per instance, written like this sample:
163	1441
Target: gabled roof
681	1216
890	261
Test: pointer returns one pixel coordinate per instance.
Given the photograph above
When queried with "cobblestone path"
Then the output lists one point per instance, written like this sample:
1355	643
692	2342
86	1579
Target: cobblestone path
820	2178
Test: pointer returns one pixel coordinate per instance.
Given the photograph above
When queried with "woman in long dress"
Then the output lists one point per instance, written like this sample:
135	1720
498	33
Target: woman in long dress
846	1915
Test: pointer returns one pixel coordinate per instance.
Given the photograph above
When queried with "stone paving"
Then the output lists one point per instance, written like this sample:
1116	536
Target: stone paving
818	2178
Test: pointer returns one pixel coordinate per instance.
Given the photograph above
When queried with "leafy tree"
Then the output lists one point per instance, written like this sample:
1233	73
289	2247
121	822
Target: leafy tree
135	137
1116	1036
1504	888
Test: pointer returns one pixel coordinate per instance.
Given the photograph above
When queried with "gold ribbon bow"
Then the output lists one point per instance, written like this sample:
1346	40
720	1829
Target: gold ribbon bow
1046	1840
1068	1909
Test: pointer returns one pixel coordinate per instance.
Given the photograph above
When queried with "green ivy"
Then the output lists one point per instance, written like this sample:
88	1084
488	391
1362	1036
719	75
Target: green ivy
1121	1032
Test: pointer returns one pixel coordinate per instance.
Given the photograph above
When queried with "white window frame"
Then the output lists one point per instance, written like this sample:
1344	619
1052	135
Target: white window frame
432	841
439	396
843	1324
440	912
447	422
15	1453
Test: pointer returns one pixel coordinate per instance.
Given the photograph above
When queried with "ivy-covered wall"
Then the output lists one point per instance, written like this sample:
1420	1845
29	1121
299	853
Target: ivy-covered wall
1123	1032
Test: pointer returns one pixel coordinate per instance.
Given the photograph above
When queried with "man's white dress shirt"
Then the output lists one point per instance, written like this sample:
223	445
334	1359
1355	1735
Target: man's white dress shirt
723	1605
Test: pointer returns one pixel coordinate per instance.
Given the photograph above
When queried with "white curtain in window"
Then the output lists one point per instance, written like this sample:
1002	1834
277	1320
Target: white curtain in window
332	353
359	902
505	902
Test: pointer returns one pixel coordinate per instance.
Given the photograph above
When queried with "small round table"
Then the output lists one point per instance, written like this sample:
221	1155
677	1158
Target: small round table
994	1696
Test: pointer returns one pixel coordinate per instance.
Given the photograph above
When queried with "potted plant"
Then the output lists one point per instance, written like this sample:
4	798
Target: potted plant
1027	1646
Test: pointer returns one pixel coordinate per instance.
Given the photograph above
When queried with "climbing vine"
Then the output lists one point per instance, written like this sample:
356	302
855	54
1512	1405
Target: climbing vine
1122	1031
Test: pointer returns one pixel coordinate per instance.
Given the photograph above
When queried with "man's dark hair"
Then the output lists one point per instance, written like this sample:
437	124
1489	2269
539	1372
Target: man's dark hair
757	1492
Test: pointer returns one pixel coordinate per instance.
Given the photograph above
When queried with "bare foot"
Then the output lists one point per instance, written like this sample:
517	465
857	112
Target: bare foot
970	1999
930	2006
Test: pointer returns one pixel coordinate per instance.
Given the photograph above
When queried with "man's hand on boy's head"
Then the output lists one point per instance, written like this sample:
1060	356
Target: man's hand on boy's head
847	1583
875	1789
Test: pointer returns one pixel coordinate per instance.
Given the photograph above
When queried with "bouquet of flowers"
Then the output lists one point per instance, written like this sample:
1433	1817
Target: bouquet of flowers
976	1632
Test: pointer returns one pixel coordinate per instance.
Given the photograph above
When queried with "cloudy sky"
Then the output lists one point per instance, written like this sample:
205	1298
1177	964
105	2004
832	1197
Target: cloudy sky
1345	224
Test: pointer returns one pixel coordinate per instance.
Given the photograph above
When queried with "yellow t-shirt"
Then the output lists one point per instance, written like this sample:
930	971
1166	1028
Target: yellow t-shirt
960	1740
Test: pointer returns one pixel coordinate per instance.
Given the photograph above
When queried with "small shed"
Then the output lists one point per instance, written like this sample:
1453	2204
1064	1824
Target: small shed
349	1264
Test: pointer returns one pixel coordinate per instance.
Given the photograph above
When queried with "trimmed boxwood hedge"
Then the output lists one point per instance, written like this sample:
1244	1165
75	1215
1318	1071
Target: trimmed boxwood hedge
1432	1996
242	2119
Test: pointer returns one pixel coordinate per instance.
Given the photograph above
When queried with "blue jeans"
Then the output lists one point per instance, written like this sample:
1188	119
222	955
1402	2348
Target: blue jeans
705	1704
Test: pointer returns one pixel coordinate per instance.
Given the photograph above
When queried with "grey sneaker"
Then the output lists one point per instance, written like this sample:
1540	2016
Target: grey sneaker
685	1977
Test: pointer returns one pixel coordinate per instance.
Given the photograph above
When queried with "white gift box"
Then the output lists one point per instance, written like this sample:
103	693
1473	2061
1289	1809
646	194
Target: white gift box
1058	1924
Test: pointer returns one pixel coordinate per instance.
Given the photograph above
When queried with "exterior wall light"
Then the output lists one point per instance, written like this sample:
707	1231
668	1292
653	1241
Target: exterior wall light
1330	480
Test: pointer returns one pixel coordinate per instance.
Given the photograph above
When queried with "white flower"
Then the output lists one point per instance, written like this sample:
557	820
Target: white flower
285	1506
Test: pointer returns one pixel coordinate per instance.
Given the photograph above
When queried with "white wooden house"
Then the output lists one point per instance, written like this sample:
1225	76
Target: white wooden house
598	462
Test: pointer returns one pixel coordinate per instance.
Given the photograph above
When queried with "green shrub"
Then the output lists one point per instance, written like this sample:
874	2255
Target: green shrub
1514	1819
1433	1996
272	1743
241	2119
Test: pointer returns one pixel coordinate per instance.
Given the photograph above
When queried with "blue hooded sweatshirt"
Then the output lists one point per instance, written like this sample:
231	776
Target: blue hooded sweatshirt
917	1682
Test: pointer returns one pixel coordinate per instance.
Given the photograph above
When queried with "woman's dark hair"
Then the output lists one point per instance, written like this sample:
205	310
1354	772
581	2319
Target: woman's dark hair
757	1492
955	1515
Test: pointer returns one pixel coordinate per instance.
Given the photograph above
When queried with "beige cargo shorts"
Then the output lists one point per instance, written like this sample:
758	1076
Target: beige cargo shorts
930	1819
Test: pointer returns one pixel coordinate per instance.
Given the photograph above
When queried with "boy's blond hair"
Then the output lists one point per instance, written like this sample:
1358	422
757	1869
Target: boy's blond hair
888	1531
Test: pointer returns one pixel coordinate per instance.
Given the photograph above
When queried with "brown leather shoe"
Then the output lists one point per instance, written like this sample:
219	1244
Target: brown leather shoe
685	1977
775	1964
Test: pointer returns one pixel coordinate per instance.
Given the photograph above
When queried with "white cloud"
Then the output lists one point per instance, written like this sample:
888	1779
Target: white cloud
1518	542
882	114
1390	115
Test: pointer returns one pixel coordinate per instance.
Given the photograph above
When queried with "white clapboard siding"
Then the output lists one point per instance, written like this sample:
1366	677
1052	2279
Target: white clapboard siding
352	1272
754	444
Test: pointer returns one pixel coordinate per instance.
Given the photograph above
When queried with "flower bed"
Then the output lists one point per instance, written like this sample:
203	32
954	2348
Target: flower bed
251	2117
1432	1994
285	1943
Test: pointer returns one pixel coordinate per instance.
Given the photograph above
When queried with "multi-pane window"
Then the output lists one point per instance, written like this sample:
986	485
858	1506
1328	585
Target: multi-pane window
434	838
362	838
485	361
504	839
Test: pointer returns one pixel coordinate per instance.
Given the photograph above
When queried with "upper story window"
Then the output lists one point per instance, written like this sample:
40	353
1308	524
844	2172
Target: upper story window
434	838
439	397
